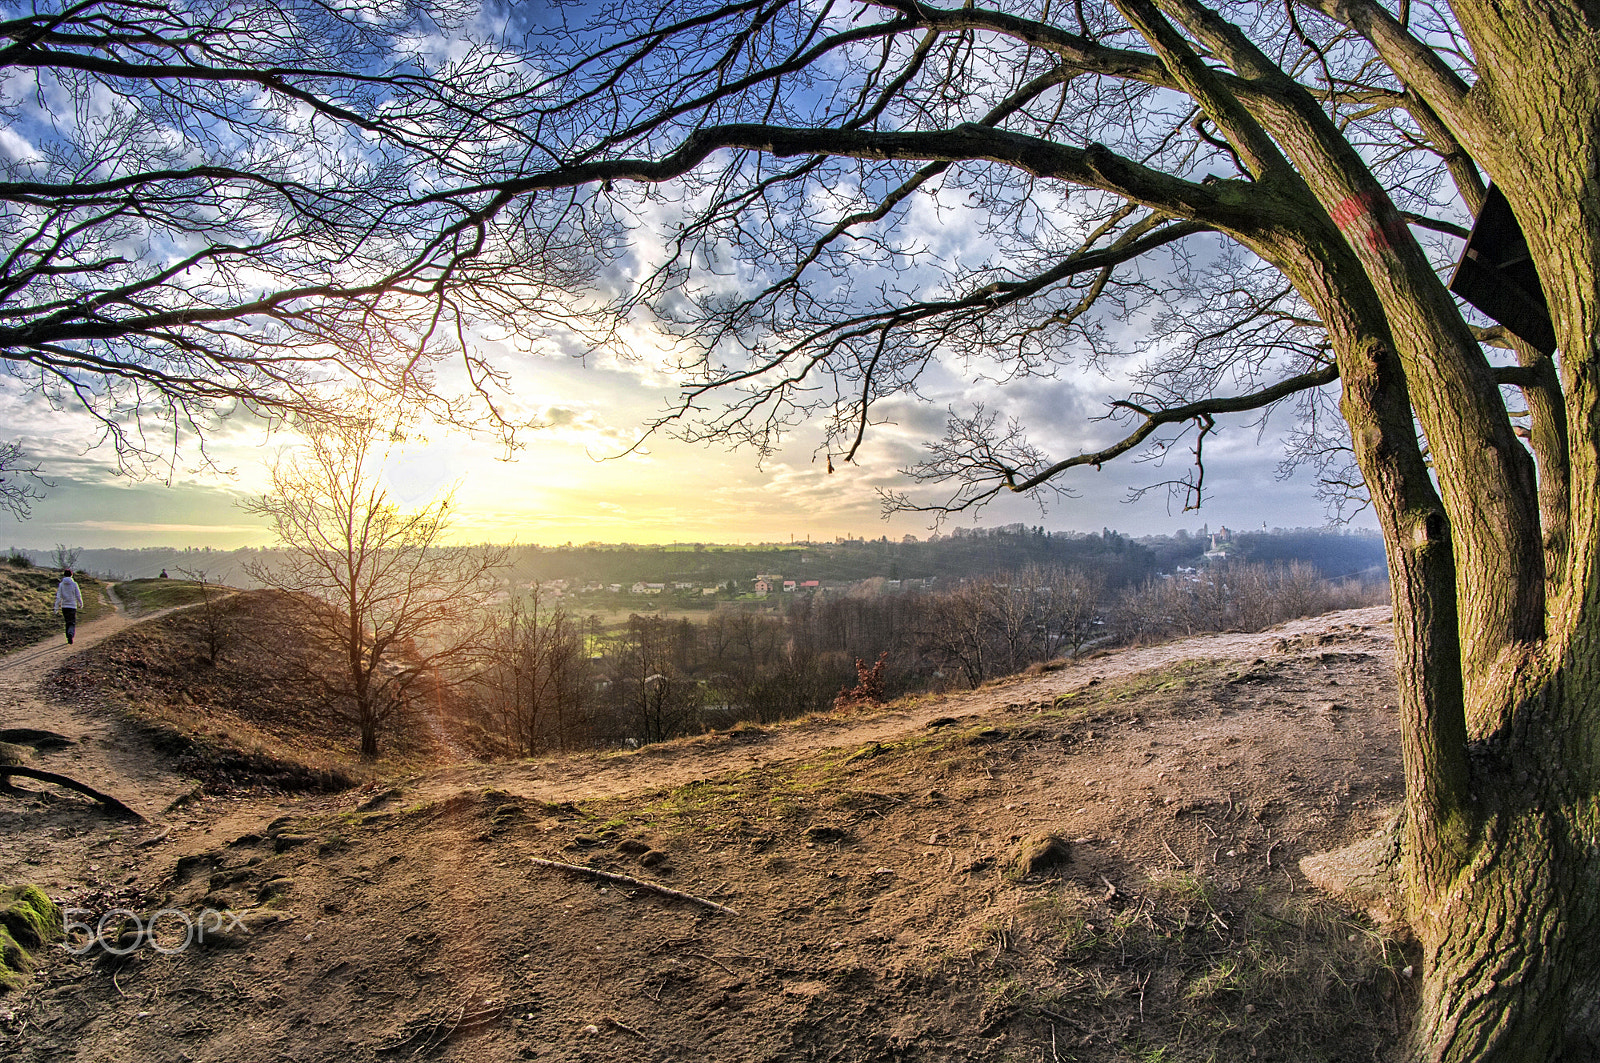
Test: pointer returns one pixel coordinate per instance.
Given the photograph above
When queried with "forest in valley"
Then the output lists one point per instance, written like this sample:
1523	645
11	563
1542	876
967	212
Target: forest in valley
549	648
957	552
551	677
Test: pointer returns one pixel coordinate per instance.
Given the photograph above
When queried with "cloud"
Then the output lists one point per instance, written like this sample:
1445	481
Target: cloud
586	427
17	147
146	528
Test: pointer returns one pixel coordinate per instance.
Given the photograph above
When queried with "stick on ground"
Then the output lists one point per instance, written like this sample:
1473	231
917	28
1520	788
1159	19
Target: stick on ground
636	883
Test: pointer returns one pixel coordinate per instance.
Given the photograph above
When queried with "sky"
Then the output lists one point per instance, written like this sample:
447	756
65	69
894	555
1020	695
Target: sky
566	485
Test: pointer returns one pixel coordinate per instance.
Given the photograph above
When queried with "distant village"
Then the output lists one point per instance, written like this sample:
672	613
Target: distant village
1206	549
765	585
703	575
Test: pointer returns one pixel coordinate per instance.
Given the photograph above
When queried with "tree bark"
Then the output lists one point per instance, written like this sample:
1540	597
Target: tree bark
1505	939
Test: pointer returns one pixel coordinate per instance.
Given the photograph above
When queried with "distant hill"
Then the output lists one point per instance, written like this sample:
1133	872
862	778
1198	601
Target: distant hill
964	552
851	560
224	566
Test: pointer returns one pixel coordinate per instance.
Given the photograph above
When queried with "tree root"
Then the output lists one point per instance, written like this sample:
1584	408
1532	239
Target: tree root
111	803
636	883
32	736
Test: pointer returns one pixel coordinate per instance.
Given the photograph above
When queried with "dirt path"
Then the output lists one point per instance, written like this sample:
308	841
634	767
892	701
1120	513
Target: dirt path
105	753
20	669
586	776
878	915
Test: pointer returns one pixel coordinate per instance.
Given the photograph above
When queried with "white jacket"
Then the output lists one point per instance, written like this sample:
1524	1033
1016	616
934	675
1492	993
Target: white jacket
68	596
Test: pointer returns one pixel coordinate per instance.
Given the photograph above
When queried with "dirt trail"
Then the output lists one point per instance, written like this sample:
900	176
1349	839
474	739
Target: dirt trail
57	838
21	669
106	754
587	776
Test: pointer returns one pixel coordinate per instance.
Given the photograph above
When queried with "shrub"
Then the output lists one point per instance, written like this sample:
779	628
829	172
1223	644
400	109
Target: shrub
869	685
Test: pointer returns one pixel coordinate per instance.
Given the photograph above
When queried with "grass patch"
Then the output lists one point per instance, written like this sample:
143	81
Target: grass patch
705	805
1209	976
140	596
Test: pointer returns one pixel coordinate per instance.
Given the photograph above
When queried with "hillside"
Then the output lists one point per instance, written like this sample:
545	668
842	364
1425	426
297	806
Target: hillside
890	889
252	718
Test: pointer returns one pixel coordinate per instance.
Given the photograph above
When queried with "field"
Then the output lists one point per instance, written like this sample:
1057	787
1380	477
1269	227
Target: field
142	596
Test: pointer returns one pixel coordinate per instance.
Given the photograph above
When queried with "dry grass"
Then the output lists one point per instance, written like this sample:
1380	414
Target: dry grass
256	718
1184	969
141	596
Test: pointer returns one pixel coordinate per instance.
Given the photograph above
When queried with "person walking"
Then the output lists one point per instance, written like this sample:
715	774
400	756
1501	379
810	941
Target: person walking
69	599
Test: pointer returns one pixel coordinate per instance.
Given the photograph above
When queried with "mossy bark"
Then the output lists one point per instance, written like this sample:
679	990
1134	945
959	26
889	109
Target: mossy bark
28	920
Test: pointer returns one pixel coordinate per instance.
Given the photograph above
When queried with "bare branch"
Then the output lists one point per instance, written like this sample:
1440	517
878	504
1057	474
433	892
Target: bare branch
983	462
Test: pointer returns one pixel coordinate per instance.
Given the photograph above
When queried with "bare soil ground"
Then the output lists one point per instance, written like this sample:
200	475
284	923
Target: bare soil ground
1096	862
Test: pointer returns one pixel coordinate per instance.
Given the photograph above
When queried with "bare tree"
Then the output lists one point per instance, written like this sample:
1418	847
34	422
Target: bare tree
212	207
1074	600
216	627
1285	176
956	633
656	697
374	587
999	624
534	675
1288	178
753	667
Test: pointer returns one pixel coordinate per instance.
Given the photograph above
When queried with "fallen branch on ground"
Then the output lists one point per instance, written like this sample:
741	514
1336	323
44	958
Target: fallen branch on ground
636	883
156	839
8	770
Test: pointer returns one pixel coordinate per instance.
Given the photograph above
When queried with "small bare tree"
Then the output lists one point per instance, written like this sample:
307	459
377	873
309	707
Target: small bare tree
215	630
955	632
374	586
535	677
1074	601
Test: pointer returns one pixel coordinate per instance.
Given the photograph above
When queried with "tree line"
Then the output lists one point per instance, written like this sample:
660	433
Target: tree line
548	679
398	618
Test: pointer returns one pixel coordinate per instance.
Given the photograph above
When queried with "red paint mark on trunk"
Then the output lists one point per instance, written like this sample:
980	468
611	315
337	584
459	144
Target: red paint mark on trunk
1361	213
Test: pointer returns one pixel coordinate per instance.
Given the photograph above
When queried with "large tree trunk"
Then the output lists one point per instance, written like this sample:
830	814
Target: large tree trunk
1510	940
1500	880
1505	941
1499	689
